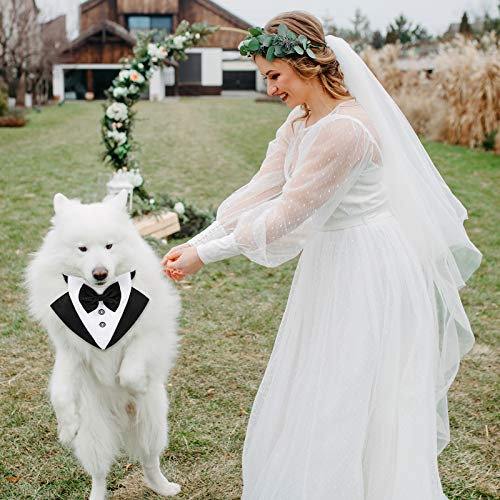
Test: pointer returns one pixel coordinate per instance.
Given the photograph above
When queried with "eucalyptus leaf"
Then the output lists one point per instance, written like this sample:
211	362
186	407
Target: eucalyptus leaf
299	49
270	53
254	44
266	40
278	50
291	35
310	53
282	30
255	31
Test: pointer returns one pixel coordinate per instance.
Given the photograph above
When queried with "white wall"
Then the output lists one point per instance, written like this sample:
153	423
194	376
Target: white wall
58	81
211	65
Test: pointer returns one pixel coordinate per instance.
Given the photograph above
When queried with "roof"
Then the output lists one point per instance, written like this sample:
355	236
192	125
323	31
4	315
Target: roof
217	9
110	27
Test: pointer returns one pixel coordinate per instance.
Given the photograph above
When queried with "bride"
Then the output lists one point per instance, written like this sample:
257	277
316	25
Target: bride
353	404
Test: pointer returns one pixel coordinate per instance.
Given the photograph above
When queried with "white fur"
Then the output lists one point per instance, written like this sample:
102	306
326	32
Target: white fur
114	399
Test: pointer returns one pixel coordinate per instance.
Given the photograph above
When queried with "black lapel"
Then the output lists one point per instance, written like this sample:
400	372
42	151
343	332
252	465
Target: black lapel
65	309
135	305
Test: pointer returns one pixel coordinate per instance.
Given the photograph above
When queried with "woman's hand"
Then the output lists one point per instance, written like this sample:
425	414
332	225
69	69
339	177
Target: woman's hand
181	261
174	251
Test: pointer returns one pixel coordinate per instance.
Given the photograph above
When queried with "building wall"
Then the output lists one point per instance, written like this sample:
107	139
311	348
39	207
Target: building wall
94	12
94	51
148	7
196	11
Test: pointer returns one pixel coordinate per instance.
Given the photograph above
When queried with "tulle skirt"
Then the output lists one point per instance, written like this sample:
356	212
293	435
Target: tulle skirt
346	409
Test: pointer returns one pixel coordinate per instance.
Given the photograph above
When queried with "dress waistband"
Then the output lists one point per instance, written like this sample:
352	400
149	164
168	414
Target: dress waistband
357	220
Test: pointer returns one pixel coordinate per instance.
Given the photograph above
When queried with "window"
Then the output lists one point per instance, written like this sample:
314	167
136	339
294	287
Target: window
147	23
190	69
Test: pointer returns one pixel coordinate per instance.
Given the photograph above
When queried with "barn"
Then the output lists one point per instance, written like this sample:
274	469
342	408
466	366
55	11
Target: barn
107	32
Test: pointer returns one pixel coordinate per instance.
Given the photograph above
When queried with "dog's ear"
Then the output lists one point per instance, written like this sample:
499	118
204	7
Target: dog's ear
120	200
60	203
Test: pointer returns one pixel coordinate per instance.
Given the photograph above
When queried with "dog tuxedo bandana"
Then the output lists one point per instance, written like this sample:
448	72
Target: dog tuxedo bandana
101	319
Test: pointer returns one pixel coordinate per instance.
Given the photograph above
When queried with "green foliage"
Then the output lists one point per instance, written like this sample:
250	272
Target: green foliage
377	41
489	141
465	27
4	99
402	30
285	43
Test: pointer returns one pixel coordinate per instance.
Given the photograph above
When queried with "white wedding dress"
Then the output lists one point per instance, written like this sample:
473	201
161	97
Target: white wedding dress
346	409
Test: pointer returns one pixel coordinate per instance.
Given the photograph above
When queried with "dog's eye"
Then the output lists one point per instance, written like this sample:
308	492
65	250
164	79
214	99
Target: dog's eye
109	246
82	249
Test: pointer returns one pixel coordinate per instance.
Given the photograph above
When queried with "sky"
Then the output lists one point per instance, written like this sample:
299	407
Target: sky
435	15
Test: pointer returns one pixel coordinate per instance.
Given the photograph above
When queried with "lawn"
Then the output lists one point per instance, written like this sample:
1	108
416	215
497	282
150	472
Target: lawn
202	149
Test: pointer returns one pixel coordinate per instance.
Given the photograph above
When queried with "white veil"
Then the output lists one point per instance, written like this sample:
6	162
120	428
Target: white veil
430	215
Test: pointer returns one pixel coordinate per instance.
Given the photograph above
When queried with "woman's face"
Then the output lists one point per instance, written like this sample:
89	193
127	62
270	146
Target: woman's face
282	81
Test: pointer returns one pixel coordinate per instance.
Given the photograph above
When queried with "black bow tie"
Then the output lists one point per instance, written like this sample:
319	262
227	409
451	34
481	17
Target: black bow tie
89	298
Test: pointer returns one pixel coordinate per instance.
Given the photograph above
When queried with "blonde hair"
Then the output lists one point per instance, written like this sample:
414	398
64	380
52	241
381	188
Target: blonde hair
325	66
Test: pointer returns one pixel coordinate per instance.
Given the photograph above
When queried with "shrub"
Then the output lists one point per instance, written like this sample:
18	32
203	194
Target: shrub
14	119
4	99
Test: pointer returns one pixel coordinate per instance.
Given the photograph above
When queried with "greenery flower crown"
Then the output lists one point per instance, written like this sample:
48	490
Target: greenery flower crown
285	43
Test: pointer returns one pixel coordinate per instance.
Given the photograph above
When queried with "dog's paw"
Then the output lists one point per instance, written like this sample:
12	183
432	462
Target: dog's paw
163	487
135	382
67	431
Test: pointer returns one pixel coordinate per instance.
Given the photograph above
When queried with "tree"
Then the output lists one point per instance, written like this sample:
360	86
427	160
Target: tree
492	23
402	30
465	27
358	35
377	40
20	43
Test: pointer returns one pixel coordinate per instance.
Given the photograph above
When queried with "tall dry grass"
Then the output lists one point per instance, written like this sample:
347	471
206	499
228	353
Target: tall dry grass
459	102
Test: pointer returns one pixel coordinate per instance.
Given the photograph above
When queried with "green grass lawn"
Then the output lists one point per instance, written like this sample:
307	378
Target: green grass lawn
202	149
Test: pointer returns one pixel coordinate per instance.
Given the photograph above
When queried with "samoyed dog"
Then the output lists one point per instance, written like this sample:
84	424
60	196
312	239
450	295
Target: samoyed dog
107	392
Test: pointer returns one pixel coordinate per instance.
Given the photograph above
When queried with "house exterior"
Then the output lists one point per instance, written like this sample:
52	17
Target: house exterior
87	65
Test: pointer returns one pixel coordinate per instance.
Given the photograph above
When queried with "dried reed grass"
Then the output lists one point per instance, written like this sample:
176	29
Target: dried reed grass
458	103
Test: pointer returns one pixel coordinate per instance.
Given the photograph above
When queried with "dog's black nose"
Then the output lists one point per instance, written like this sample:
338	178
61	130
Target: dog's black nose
100	273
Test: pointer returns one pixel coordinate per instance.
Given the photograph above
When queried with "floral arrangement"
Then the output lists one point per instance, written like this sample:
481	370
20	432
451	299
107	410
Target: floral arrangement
126	89
118	120
285	43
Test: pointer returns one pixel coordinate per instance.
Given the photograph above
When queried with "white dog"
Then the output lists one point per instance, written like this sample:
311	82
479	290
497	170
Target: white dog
108	393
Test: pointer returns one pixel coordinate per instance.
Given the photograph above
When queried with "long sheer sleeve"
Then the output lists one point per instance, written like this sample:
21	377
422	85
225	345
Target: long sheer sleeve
329	161
266	184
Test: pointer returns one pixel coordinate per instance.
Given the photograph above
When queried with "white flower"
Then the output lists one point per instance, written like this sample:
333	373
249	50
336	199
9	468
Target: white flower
133	89
140	66
179	208
178	41
156	51
151	201
123	75
117	111
120	92
151	49
197	36
136	77
119	138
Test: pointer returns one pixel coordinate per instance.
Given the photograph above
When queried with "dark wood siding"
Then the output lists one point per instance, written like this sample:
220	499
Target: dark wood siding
148	7
96	11
97	52
196	11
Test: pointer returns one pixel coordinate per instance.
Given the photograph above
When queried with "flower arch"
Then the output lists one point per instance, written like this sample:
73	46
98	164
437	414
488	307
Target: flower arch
118	120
